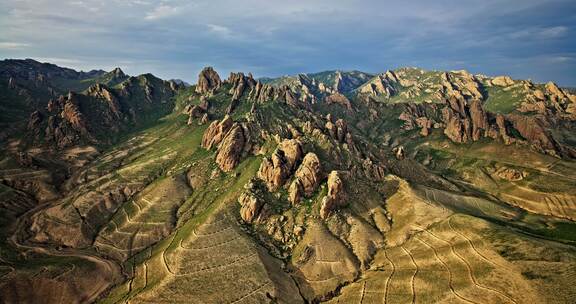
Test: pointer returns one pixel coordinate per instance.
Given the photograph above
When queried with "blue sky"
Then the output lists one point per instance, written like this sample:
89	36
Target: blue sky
533	39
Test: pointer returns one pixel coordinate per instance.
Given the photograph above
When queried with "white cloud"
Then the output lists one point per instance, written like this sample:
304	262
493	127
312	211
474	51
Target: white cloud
219	29
162	11
559	59
554	32
8	45
540	33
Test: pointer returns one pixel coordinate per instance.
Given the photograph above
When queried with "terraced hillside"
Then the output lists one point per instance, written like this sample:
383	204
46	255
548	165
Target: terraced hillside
409	186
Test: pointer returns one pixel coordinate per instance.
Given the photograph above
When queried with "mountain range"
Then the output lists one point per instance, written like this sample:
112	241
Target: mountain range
339	186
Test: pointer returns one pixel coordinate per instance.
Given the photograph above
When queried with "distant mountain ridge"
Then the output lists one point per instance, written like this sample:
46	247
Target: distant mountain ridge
67	107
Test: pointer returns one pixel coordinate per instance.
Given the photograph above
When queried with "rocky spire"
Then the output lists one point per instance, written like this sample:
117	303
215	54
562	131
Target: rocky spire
208	80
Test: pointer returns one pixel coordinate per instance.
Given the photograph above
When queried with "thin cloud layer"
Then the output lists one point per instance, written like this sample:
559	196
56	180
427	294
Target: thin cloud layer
175	39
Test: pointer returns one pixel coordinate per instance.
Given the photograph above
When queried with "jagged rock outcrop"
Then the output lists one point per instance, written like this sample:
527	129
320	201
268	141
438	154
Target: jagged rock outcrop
381	85
240	84
457	129
510	174
460	85
204	120
479	119
71	113
293	151
341	130
465	121
215	133
195	112
502	130
338	130
262	92
373	170
336	195
421	116
102	92
286	95
34	123
339	99
502	81
231	148
92	116
208	81
252	204
274	171
295	192
309	174
65	124
532	129
399	152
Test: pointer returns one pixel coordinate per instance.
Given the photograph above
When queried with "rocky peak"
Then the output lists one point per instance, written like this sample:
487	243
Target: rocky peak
379	85
208	81
262	92
239	84
118	73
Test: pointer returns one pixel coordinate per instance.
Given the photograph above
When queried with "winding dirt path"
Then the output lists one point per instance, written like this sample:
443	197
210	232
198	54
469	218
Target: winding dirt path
20	243
450	276
386	287
482	256
413	275
254	291
471	271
